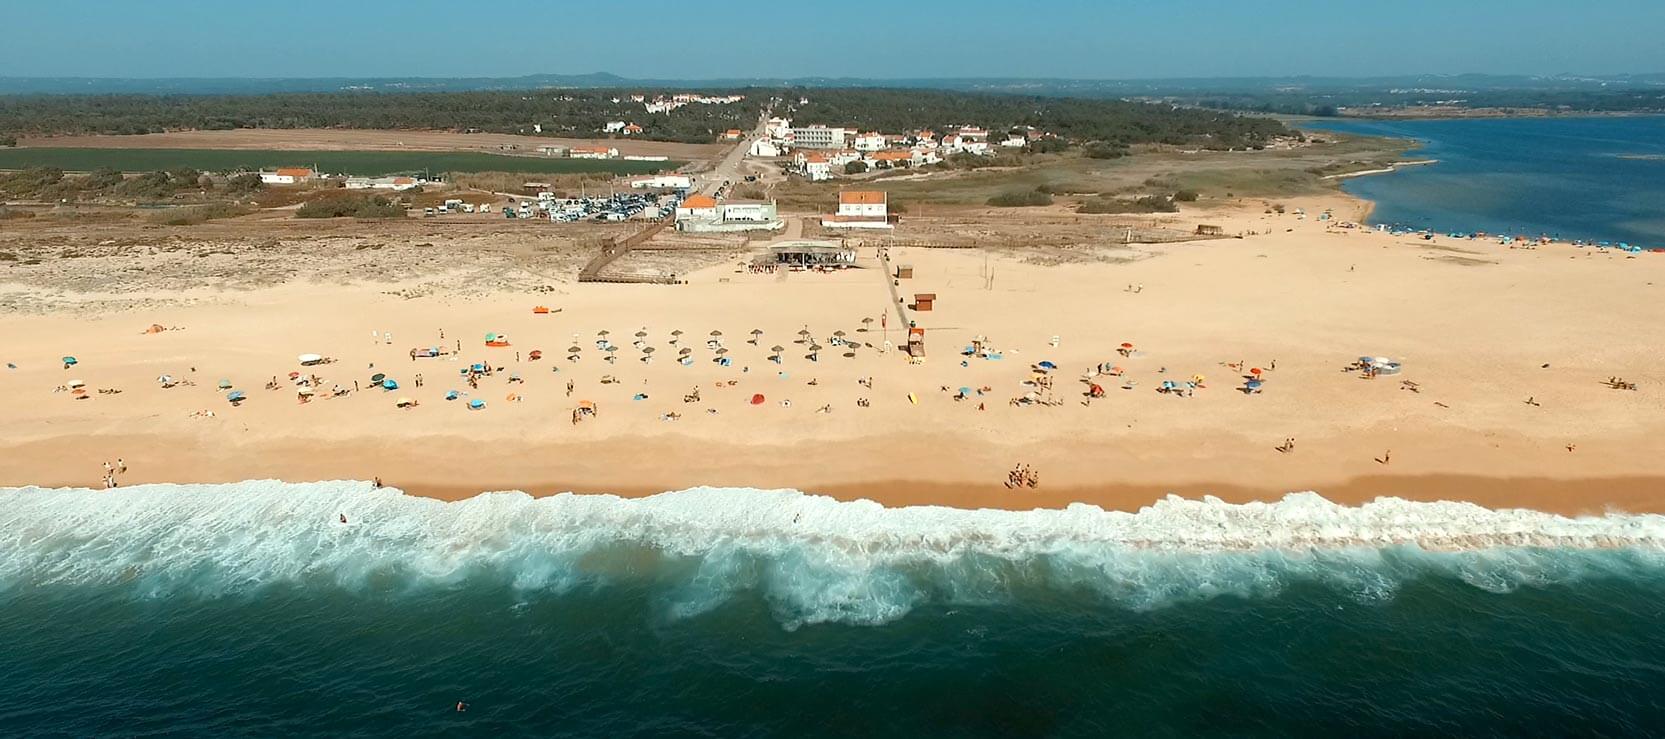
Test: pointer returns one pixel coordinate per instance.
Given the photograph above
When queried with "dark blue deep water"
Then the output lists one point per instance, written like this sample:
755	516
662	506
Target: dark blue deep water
227	611
1597	179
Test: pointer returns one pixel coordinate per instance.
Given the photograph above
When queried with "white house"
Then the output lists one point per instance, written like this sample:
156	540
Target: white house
764	148
697	207
816	166
869	141
381	183
1015	142
286	176
613	126
554	150
662	181
777	128
860	209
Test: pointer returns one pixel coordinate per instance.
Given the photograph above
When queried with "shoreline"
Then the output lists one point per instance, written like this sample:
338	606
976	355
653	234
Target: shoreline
439	468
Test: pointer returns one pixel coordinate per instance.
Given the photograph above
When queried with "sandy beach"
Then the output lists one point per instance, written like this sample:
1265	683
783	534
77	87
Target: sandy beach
1502	398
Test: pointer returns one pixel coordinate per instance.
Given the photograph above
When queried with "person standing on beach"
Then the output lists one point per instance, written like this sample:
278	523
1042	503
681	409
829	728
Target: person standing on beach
121	465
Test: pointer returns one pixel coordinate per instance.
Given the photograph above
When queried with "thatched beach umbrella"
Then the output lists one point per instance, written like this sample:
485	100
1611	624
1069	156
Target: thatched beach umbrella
722	350
777	348
603	332
866	322
685	351
839	333
715	332
575	349
641	334
647	350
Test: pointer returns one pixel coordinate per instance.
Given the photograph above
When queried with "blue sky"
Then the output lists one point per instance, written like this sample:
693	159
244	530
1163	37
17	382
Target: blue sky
906	38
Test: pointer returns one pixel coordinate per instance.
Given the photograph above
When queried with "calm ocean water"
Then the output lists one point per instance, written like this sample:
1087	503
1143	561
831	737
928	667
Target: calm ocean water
250	610
1598	179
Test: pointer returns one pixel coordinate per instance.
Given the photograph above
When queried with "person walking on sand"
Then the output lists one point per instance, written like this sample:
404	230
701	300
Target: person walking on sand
121	465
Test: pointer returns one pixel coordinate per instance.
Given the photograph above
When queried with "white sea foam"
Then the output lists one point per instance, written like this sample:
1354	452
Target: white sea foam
813	558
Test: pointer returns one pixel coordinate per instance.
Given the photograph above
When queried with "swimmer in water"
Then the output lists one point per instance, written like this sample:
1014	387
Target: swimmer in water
343	517
461	706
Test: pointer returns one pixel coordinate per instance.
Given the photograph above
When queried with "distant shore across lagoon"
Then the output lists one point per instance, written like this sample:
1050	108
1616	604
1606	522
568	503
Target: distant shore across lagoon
1591	179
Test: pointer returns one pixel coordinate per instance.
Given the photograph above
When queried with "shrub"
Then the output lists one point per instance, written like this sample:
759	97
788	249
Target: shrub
1021	199
1146	204
1102	150
199	214
856	167
374	206
1186	196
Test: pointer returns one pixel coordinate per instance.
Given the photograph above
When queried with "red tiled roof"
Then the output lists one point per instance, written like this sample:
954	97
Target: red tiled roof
861	197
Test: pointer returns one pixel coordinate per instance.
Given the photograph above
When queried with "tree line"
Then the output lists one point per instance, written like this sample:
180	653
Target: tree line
1110	124
567	113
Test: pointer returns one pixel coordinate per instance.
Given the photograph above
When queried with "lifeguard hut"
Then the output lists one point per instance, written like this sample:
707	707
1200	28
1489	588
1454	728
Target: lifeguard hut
916	342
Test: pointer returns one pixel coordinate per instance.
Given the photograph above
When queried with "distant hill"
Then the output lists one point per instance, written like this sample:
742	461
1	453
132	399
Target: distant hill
1034	86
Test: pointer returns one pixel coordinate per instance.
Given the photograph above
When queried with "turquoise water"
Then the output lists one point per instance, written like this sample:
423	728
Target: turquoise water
1596	179
251	610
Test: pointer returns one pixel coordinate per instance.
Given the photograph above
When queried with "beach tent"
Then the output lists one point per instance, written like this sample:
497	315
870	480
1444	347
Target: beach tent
307	360
476	404
1095	390
390	384
451	395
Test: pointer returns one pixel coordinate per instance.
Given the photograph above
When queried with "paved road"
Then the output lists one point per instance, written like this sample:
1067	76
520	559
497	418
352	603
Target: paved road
728	169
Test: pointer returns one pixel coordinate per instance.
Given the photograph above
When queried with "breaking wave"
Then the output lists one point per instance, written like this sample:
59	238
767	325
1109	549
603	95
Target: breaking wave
812	558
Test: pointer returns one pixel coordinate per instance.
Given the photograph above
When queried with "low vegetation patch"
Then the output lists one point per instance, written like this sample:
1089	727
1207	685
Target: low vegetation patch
1021	198
190	216
1146	204
355	206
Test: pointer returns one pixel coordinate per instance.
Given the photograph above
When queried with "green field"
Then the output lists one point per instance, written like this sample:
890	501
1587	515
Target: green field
362	163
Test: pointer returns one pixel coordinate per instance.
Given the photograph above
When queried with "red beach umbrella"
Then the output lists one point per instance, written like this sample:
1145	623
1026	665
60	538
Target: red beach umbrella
757	399
1254	371
1126	345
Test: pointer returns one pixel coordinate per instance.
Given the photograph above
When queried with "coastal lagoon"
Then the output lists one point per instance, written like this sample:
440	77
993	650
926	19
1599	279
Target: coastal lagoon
1597	179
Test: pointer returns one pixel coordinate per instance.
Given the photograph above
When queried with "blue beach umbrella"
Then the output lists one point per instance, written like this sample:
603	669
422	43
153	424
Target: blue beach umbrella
234	396
389	384
450	395
71	360
476	404
1047	364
